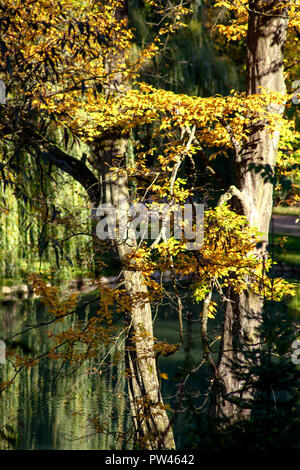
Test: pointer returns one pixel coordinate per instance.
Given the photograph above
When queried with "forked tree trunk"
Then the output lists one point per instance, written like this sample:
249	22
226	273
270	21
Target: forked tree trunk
265	42
150	418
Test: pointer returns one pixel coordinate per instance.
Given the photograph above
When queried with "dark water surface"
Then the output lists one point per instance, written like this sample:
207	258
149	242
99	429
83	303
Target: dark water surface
80	408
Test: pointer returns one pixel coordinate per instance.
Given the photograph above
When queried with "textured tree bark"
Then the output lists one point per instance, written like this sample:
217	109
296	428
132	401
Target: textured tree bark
265	43
149	415
150	418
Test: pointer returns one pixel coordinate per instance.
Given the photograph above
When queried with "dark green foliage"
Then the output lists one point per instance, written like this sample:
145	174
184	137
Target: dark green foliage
275	403
190	62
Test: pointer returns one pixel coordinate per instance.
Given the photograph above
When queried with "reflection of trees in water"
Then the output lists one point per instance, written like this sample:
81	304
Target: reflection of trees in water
49	406
9	316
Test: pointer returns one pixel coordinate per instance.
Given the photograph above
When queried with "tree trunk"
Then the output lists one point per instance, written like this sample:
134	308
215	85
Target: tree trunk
265	42
150	419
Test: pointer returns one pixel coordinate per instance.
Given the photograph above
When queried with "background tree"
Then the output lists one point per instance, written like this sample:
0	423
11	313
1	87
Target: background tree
254	169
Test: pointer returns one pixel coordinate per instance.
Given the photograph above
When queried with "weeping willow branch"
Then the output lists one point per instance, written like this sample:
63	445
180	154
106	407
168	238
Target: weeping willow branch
75	168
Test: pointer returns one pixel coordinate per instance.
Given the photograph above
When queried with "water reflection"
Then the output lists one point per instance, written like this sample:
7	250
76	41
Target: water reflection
79	409
82	408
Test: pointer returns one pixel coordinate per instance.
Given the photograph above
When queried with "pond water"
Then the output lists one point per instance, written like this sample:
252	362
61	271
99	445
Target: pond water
83	407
